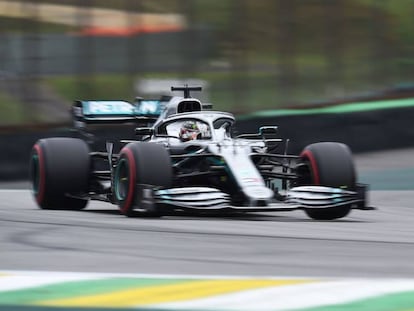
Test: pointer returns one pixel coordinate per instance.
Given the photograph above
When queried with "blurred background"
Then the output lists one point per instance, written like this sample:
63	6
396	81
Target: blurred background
249	55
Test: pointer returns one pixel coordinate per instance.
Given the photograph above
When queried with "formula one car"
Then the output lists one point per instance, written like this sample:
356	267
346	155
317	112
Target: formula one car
186	158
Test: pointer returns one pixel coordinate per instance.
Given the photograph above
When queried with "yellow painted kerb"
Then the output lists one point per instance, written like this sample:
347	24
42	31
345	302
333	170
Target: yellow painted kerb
169	293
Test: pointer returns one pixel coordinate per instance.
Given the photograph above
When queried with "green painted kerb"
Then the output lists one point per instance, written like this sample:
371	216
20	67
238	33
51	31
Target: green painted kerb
344	108
77	289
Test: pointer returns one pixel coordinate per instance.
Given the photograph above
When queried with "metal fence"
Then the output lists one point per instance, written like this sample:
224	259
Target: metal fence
252	54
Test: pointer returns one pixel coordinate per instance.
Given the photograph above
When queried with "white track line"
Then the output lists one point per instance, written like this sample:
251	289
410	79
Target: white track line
17	282
296	296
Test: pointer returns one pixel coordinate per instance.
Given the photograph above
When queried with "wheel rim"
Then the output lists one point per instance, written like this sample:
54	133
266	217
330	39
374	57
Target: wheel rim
122	180
35	173
313	167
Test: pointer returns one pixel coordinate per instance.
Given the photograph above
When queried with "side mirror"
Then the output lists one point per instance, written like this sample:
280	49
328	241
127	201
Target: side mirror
142	131
263	131
267	130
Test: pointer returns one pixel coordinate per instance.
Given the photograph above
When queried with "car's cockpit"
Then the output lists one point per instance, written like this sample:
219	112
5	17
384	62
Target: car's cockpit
187	129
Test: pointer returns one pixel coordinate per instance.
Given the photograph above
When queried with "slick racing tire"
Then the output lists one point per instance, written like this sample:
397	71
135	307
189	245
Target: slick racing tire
139	164
329	164
59	171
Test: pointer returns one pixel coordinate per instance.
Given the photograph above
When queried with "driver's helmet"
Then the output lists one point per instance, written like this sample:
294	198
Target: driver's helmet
189	131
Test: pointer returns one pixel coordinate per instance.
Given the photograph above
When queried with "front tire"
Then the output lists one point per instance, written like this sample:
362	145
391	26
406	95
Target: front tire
140	163
59	168
328	164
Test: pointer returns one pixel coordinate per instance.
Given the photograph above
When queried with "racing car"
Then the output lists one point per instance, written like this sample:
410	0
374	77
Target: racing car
185	156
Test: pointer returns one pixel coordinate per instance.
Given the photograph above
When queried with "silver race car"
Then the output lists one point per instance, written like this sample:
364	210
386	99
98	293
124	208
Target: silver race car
186	157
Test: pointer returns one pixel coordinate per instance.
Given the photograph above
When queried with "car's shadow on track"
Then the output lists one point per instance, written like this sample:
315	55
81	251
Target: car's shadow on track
225	216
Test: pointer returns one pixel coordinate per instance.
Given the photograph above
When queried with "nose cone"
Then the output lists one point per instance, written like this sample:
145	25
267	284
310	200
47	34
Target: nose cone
258	194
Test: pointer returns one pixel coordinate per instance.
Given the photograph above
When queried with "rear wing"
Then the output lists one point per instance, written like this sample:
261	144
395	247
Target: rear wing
116	112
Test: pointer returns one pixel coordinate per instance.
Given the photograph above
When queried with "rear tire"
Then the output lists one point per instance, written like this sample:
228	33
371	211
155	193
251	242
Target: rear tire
59	167
140	163
328	164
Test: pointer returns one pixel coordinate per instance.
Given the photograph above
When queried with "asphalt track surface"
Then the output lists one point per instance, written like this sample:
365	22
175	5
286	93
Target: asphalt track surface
377	243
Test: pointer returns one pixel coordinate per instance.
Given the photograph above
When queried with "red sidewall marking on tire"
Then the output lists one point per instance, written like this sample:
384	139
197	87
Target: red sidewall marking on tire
314	167
42	175
132	177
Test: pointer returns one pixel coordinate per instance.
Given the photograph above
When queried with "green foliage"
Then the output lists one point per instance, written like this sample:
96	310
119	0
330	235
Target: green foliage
276	52
105	87
157	6
26	25
262	27
11	111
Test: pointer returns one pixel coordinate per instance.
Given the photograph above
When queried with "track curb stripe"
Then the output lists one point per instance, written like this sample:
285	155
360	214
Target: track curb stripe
76	288
79	291
168	293
401	301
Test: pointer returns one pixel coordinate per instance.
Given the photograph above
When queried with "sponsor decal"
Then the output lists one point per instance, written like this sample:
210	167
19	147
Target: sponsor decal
108	107
148	107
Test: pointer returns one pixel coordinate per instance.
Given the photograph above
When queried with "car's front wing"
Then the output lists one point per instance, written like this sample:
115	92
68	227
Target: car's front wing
211	199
